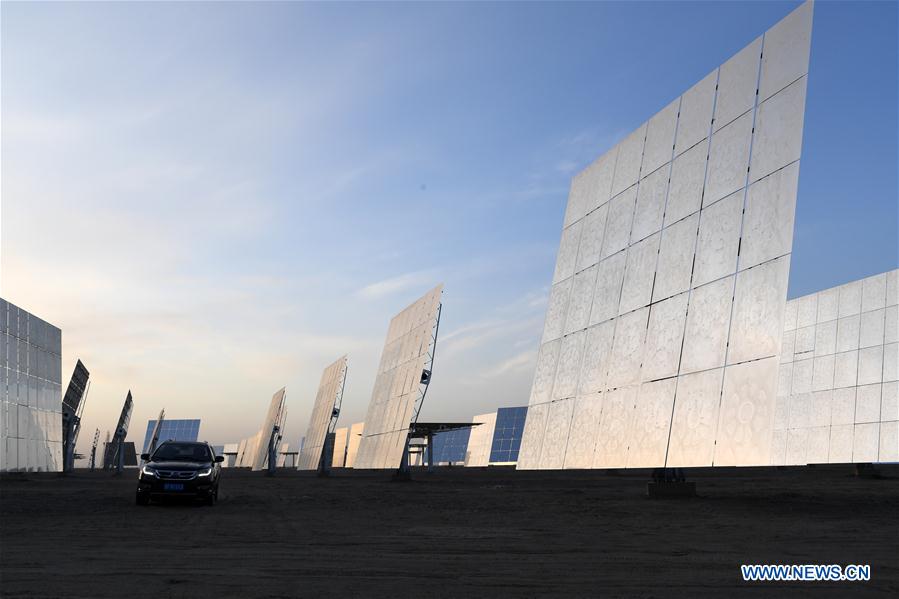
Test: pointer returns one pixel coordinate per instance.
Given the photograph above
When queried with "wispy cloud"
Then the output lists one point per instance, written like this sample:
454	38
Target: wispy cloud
519	363
394	285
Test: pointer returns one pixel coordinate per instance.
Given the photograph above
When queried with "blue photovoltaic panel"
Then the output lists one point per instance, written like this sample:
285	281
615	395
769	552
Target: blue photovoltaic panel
450	446
173	430
507	434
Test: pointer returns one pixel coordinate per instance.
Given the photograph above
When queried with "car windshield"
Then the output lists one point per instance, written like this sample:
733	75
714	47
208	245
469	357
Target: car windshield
186	452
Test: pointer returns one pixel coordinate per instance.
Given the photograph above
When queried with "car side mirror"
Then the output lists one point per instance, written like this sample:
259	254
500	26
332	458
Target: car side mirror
145	456
219	459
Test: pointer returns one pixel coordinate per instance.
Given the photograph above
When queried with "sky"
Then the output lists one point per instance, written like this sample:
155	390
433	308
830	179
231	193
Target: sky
215	200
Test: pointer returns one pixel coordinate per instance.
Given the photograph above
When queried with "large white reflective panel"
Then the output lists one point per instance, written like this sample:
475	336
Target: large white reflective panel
685	269
396	387
273	417
330	389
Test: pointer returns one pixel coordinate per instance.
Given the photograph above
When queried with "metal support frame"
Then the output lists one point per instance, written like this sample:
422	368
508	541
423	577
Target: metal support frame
405	470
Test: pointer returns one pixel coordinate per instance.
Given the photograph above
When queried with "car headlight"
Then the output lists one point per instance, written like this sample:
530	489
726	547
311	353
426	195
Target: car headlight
148	471
205	472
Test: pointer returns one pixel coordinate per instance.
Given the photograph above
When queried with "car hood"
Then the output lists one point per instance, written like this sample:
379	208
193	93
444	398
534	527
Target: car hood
176	465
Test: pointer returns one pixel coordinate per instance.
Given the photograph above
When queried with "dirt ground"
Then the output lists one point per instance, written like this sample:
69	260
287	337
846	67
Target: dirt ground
452	533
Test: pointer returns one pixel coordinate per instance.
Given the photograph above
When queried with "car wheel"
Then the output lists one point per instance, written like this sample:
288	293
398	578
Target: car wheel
213	497
142	499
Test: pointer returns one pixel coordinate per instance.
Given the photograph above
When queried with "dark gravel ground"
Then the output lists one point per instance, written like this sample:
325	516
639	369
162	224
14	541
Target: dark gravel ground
452	533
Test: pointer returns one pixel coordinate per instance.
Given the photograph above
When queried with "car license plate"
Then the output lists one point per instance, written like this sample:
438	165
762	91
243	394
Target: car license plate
174	486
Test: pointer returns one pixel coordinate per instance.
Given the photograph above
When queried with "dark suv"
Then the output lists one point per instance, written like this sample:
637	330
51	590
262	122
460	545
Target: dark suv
180	469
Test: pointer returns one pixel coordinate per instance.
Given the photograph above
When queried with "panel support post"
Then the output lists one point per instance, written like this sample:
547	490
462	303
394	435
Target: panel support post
669	483
404	472
431	464
324	463
272	452
866	470
69	424
120	452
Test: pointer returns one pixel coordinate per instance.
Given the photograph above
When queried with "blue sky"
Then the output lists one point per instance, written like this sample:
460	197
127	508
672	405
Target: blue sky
215	200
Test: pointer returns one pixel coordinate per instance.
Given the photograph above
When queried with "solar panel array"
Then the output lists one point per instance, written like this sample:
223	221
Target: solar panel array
330	389
273	418
30	392
450	447
112	448
507	434
397	386
173	430
77	386
665	318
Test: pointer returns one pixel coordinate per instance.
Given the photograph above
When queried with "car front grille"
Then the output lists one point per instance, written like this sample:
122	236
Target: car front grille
177	474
